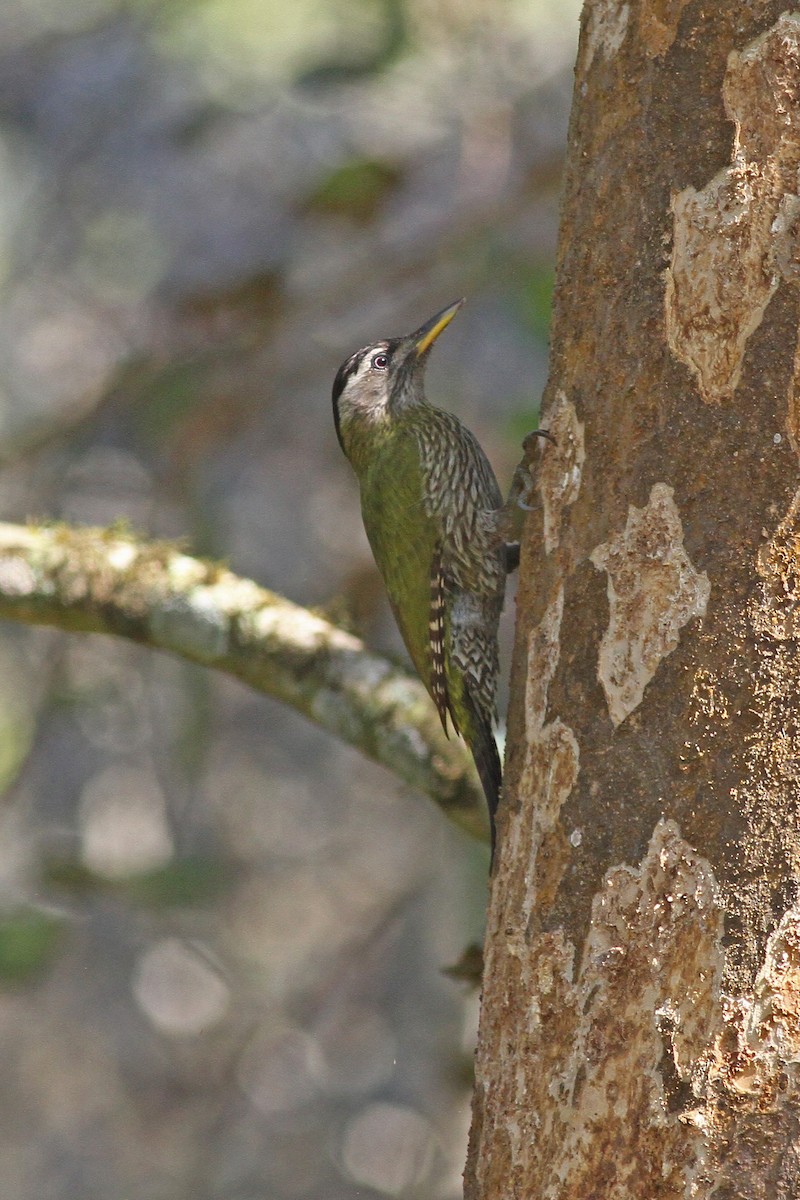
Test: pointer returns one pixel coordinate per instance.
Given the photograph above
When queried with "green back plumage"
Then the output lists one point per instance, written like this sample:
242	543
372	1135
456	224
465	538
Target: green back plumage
402	537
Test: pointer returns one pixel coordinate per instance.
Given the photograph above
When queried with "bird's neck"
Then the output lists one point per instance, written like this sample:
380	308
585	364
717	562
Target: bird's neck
370	433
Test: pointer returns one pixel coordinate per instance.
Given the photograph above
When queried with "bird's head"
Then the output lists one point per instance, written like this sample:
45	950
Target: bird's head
374	385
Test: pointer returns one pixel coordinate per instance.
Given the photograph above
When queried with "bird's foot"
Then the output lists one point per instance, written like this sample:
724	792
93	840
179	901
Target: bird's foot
519	495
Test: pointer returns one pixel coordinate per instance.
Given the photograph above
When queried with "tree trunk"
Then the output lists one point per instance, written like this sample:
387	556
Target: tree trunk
640	1033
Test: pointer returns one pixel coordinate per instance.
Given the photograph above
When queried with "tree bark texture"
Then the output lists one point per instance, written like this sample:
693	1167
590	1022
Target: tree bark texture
640	1031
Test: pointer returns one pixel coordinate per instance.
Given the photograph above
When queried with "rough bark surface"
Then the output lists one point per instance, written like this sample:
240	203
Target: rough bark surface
640	1031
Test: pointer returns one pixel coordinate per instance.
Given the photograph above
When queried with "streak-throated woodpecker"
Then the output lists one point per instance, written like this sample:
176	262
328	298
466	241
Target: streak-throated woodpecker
431	504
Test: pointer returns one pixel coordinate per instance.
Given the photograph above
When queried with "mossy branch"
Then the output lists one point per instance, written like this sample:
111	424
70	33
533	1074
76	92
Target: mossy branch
107	581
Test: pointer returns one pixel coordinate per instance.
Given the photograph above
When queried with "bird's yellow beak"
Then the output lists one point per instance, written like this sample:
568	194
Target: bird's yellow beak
427	334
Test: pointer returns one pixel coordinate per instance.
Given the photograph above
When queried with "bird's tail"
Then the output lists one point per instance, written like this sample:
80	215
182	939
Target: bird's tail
487	759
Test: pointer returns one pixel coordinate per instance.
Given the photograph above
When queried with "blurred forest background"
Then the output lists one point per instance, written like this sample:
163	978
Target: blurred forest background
222	934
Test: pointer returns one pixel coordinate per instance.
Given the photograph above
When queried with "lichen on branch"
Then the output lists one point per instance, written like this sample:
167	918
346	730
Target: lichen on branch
114	582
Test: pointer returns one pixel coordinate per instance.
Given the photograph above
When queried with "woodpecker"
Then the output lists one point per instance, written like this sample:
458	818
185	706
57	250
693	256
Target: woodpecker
431	509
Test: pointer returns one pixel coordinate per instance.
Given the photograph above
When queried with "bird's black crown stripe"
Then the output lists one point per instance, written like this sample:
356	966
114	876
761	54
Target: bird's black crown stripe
346	370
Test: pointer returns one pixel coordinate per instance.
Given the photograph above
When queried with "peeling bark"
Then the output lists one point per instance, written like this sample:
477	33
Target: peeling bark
653	590
735	240
614	1033
560	471
640	1028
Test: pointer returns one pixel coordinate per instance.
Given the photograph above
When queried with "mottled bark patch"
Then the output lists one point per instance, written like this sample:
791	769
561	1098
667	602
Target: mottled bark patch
775	611
606	26
733	241
751	1083
774	1026
768	790
561	468
793	405
658	24
589	1056
653	591
548	776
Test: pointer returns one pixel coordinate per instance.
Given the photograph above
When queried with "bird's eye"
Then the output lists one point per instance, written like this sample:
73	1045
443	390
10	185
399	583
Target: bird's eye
380	362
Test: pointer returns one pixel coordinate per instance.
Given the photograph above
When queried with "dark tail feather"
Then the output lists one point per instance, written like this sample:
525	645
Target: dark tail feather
490	769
